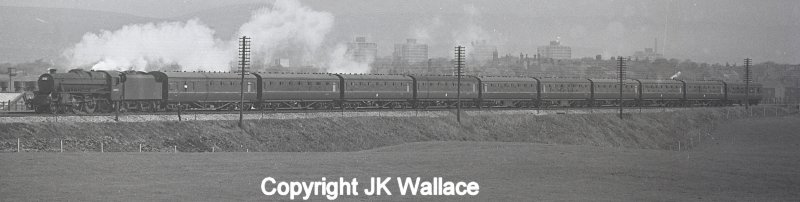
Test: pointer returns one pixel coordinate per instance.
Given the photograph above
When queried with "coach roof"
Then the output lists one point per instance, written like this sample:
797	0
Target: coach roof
704	82
443	78
613	81
316	76
506	79
563	80
660	81
210	75
374	77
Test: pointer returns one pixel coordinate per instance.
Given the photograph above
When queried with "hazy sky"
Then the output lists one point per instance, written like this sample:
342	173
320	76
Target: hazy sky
701	30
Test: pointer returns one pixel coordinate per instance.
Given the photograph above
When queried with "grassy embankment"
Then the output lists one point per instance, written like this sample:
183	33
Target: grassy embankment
646	130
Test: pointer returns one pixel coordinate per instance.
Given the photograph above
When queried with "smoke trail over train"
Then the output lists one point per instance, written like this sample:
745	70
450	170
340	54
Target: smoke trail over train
287	30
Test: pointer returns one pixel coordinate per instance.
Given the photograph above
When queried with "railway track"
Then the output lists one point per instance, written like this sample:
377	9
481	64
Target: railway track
307	114
306	111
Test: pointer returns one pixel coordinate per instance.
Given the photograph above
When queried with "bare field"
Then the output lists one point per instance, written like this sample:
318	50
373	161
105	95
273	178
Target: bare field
747	160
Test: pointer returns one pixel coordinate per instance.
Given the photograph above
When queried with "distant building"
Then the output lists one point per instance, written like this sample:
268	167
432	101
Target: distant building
362	51
555	51
647	54
14	82
410	52
482	54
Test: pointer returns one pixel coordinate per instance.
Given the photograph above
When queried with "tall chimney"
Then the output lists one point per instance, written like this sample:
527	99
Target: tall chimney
655	50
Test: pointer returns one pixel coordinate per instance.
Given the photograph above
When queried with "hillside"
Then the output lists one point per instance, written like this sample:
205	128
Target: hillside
28	34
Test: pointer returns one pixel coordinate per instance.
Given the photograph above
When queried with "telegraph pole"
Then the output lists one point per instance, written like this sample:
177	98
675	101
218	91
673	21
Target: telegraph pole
459	72
621	67
244	61
747	80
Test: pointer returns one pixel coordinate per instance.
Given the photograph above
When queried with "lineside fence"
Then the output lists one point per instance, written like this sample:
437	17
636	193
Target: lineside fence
111	145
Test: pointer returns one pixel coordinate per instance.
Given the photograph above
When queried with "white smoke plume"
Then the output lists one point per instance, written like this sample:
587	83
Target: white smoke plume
341	62
287	30
471	31
140	46
676	75
474	37
423	31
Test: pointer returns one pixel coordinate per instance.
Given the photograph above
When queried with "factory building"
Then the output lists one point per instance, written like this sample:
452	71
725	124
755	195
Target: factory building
410	53
648	53
555	51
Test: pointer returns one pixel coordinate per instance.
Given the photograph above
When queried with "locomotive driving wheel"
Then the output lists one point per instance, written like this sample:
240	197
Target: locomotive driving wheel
52	104
90	105
53	107
75	104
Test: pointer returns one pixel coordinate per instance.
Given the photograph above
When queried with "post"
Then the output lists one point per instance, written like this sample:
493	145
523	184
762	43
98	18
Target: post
776	111
116	111
459	70
175	148
747	80
18	145
61	147
180	107
244	60
621	67
140	147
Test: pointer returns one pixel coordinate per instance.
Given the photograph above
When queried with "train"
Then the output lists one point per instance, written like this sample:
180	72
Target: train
101	91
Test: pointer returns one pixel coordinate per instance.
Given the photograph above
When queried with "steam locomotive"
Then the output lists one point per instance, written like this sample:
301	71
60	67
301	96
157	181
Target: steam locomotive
80	91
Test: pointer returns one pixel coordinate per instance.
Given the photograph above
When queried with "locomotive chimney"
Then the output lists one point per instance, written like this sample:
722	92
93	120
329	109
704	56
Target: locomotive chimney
52	70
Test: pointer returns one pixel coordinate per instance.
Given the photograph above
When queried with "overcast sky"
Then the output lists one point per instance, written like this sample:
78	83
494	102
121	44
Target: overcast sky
702	30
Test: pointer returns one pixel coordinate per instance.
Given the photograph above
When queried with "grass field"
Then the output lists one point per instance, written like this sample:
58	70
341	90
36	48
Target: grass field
749	160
